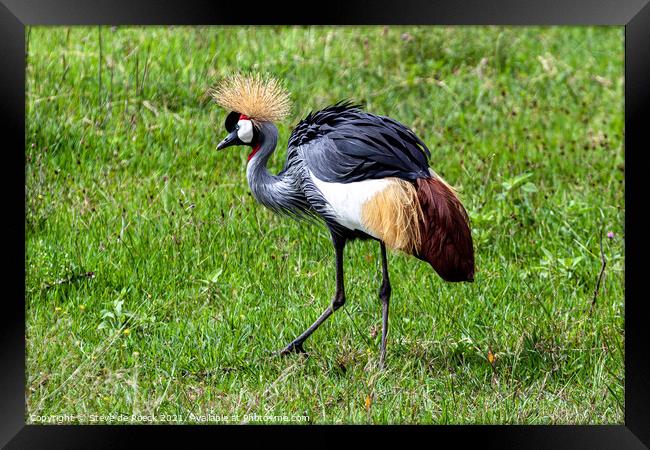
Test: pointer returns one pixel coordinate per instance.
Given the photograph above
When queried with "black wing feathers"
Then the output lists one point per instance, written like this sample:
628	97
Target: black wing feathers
342	143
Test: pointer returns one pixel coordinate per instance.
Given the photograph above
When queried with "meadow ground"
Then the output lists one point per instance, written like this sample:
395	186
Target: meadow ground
156	286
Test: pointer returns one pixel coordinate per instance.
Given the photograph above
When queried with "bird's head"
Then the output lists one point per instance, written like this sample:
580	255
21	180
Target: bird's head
251	100
241	131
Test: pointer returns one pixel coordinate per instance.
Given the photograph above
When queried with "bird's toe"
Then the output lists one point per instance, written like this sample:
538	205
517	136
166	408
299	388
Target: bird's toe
292	348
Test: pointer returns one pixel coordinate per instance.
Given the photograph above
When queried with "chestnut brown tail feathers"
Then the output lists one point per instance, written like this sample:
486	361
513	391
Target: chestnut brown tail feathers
445	237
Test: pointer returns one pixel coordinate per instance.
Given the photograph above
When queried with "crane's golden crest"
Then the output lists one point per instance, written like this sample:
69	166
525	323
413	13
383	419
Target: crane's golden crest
261	98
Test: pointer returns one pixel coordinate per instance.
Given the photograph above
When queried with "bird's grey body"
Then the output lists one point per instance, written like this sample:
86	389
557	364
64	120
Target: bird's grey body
339	144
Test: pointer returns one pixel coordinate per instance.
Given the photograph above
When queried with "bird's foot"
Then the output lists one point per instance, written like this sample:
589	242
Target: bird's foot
292	348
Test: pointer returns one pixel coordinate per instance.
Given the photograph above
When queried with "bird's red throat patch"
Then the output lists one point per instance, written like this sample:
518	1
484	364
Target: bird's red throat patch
255	149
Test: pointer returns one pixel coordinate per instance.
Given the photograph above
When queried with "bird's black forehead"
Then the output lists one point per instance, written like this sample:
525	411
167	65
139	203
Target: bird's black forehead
231	121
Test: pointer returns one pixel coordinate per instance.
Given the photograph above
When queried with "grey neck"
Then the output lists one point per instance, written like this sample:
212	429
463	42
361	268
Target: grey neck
266	187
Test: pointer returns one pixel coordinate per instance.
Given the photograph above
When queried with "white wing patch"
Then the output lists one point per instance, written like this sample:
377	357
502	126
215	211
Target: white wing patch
347	199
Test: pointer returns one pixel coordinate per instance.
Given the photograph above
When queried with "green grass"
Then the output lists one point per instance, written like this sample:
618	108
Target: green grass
194	282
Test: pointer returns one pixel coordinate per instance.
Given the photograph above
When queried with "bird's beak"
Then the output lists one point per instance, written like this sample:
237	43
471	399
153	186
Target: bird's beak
230	140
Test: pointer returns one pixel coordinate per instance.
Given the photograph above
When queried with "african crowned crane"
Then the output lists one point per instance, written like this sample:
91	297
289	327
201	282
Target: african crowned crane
365	176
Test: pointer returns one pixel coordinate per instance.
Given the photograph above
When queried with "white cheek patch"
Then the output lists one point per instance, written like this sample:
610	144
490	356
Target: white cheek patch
245	131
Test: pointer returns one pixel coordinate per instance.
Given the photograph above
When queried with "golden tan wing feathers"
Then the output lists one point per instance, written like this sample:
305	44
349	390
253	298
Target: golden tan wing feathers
394	215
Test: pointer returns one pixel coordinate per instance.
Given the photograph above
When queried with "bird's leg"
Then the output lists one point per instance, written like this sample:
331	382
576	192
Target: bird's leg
384	295
337	301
